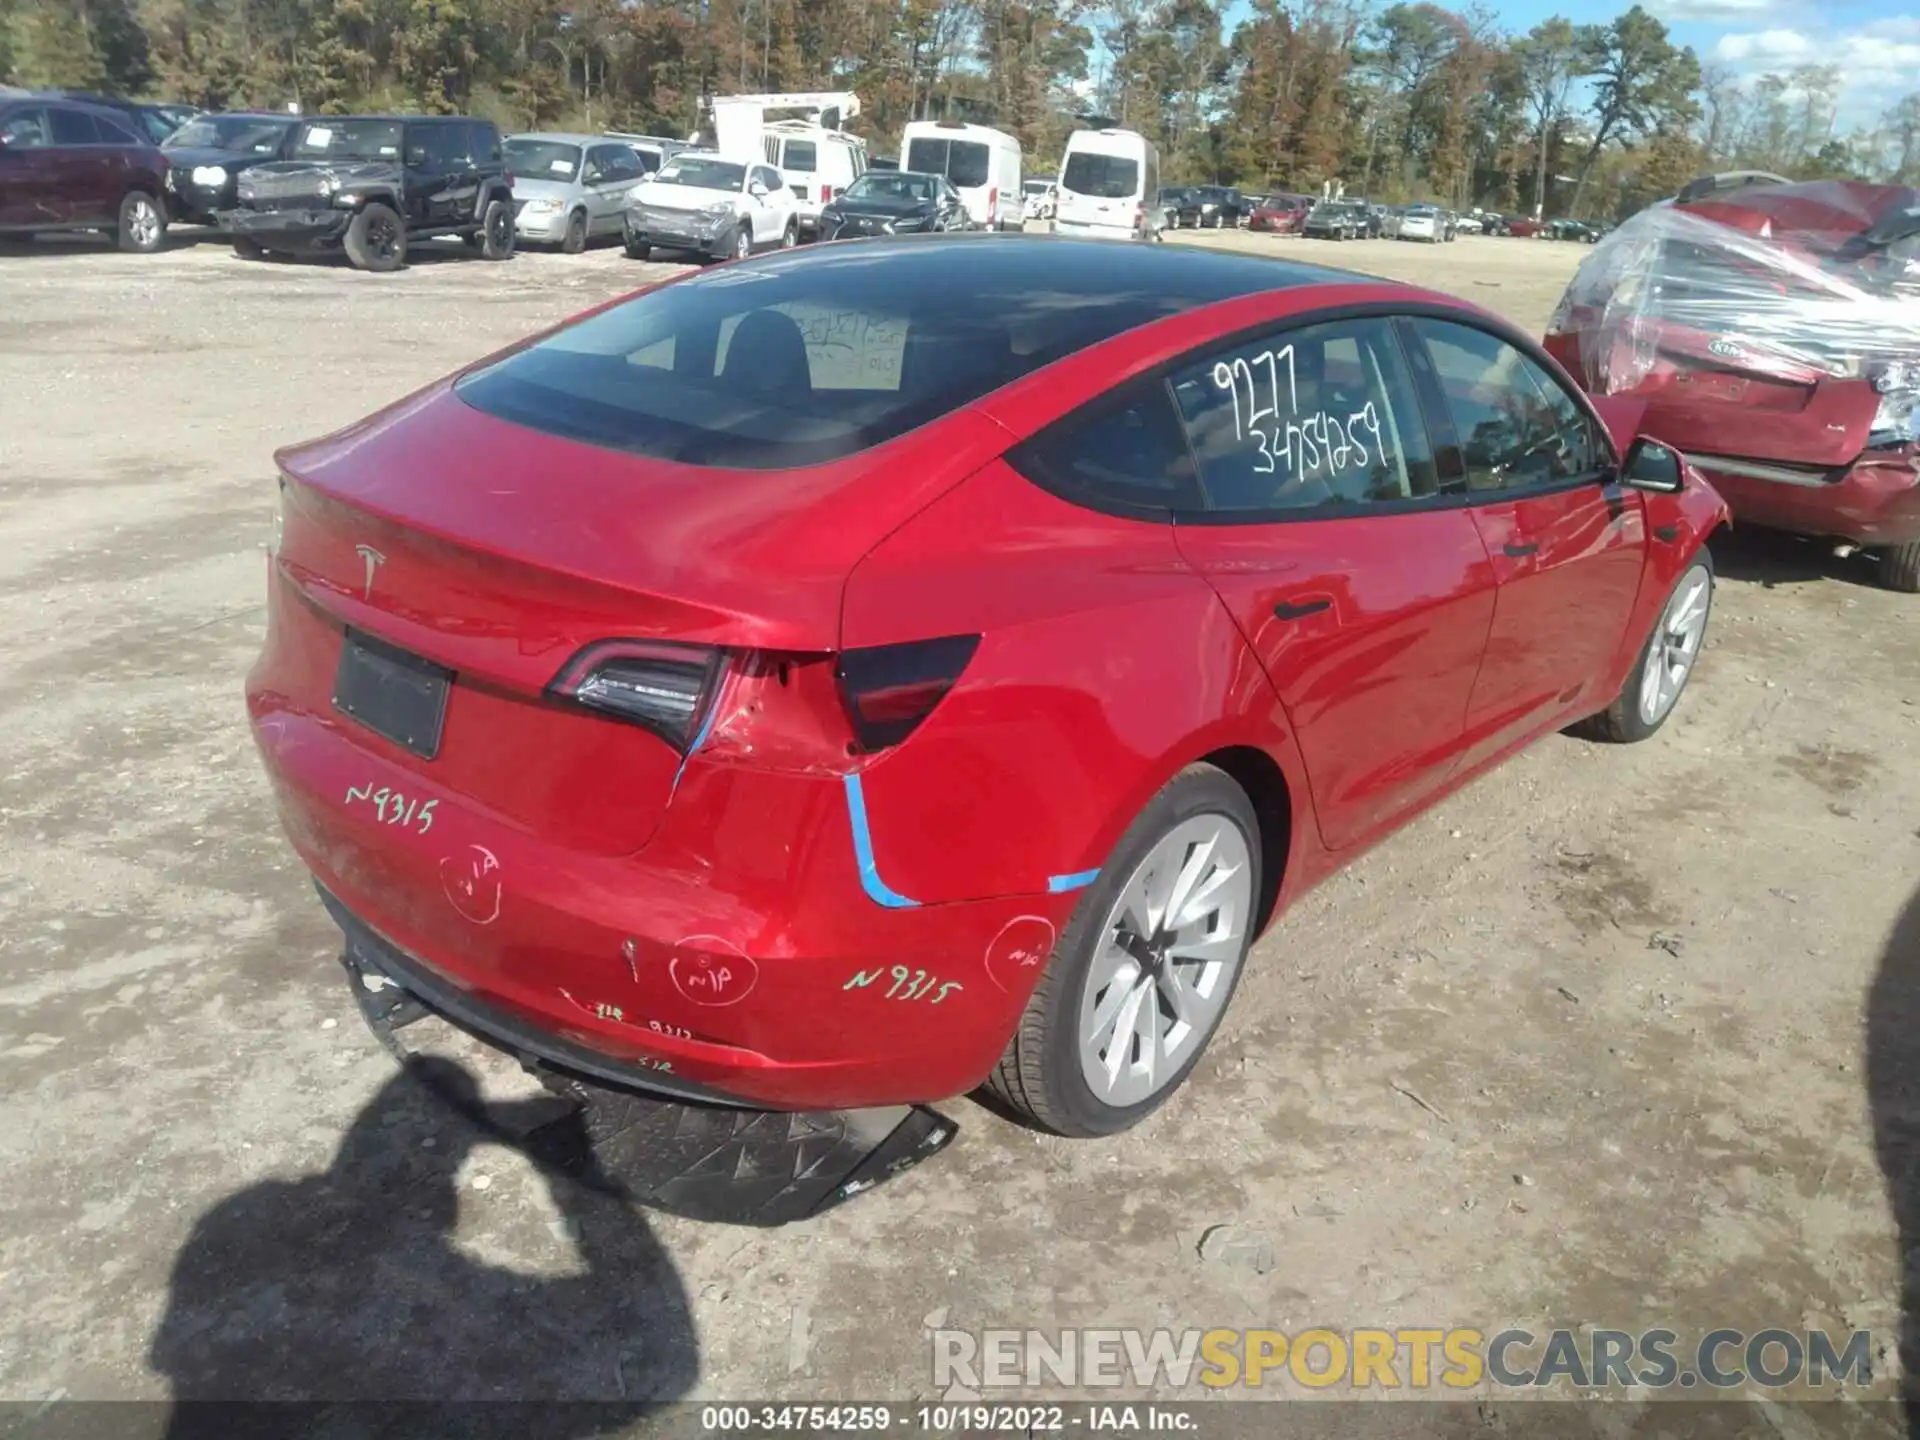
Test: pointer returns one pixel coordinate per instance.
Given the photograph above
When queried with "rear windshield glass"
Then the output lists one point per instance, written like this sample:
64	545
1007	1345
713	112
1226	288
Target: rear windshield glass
1105	177
799	360
963	162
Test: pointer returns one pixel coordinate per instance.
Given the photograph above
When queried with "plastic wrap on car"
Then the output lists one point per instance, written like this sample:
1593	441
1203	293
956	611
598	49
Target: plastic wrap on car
1795	282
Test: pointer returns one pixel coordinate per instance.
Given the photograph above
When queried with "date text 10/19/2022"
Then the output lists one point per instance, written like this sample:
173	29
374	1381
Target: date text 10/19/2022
961	1419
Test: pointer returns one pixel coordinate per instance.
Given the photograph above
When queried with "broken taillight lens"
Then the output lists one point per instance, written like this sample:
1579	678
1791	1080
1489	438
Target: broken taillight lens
889	689
659	686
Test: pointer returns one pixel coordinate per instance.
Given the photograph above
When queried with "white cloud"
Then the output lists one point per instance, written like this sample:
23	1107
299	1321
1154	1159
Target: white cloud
1714	9
1765	47
1879	61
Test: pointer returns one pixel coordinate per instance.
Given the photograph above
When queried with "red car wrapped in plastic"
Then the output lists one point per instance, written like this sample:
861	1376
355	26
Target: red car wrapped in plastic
1773	333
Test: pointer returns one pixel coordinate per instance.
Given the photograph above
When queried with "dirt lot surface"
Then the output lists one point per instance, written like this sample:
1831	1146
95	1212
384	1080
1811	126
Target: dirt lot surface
1602	1041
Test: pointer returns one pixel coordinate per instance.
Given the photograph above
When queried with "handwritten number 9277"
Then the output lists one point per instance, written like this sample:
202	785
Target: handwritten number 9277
1306	444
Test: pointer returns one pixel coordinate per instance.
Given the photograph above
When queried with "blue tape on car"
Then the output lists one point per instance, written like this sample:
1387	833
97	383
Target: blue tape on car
1061	884
870	880
699	739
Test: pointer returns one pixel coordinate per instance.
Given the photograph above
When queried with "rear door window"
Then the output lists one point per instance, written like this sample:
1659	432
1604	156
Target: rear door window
73	127
803	156
1105	177
1320	418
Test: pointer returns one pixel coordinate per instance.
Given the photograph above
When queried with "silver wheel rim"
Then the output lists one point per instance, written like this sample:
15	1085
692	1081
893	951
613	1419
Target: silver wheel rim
1166	960
144	224
1676	645
743	245
786	239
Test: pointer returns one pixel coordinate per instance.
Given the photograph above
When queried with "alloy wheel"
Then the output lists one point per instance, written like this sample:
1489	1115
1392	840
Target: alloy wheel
1168	955
1676	644
742	244
143	223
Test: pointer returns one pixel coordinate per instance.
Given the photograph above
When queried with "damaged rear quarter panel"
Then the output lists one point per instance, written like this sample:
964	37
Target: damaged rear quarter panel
1105	666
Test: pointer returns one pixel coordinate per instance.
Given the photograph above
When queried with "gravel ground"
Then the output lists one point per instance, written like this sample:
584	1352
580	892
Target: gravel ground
1616	1036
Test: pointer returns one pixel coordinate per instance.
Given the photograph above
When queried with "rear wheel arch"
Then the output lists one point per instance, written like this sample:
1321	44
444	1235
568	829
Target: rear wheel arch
1257	773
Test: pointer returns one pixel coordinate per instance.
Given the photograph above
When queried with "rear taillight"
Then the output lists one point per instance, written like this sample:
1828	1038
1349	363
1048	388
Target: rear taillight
826	193
666	688
993	203
889	689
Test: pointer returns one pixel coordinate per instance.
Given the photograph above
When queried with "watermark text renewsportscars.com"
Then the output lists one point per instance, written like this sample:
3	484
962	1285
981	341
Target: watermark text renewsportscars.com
1443	1360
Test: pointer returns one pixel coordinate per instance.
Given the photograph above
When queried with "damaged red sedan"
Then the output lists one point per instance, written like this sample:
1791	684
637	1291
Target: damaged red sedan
845	678
1771	331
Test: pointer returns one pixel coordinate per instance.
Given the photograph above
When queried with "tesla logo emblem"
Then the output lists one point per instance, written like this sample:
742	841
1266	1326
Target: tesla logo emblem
374	560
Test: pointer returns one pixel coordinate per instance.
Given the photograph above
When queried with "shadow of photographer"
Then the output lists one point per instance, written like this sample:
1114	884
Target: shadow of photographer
346	1286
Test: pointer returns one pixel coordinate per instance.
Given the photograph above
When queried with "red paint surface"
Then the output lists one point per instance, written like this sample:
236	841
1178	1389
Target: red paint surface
709	915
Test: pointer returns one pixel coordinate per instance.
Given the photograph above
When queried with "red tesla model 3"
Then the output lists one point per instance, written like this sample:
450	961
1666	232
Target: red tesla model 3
843	678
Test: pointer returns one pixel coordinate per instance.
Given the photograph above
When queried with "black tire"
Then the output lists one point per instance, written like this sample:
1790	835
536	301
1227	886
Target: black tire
248	248
143	223
638	249
1039	1074
1900	567
575	240
496	230
377	239
1621	723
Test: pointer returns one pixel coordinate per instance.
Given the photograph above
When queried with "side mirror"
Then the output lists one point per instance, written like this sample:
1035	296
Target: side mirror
757	190
1653	466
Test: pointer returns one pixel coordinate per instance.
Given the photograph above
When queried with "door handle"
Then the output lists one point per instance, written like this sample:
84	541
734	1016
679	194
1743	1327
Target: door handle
1519	549
1285	611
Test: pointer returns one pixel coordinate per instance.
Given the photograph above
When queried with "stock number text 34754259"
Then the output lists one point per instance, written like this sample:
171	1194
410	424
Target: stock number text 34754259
1318	442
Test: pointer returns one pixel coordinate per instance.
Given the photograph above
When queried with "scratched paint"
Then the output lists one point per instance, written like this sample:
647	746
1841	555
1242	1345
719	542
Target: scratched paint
710	971
905	984
1020	949
604	1010
471	880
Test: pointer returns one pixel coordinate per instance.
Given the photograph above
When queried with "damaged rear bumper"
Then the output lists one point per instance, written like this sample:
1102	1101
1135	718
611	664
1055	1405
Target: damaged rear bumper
1874	501
657	1139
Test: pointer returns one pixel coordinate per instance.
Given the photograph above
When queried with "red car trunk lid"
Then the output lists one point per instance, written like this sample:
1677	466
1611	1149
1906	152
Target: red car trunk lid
500	553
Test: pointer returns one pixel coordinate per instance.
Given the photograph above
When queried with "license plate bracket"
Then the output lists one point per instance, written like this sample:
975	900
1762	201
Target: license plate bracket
395	694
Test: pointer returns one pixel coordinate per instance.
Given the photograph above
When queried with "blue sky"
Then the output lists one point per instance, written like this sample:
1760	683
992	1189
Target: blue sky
1876	43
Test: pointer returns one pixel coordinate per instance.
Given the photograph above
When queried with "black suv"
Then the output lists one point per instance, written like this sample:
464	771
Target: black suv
372	184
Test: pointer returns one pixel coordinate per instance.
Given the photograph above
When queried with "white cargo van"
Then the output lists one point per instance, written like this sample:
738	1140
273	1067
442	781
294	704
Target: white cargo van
982	163
817	164
1109	184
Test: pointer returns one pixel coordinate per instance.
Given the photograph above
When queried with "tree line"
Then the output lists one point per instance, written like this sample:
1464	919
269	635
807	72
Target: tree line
1396	102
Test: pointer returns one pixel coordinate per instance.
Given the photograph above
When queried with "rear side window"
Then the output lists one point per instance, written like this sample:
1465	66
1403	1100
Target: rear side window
802	155
1318	418
1125	453
483	143
1105	177
1518	427
803	359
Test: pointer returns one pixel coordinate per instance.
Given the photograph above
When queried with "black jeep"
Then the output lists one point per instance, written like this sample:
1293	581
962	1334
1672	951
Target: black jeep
371	184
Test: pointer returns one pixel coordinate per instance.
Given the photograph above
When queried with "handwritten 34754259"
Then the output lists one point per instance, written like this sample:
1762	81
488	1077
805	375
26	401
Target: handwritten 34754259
1320	441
